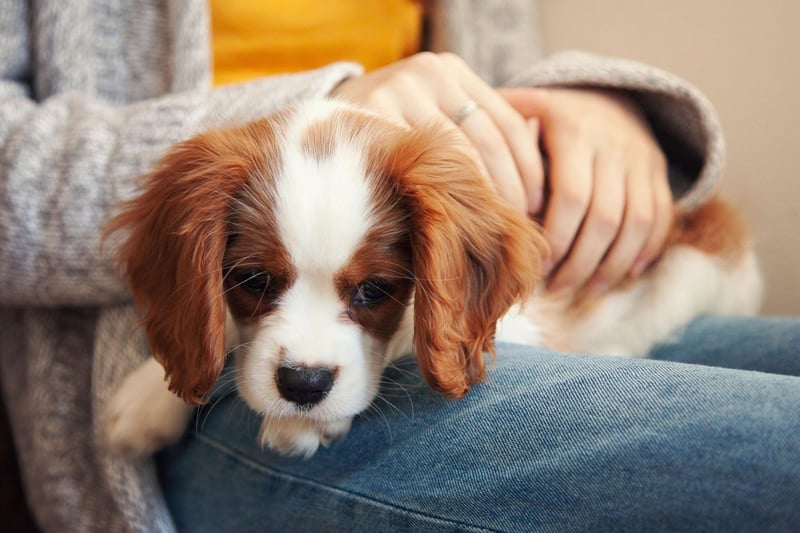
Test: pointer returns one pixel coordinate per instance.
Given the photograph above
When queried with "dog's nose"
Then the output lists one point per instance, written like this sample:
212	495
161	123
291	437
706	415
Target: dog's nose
303	385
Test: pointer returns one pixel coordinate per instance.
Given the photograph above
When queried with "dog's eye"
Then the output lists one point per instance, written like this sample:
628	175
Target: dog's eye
371	292
255	281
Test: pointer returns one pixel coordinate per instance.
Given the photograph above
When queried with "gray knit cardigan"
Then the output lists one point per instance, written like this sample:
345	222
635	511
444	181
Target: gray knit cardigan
92	93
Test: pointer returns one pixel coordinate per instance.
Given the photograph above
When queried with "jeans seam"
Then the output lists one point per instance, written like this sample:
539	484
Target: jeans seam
235	454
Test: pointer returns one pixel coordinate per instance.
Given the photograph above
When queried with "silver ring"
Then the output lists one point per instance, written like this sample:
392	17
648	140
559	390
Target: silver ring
466	110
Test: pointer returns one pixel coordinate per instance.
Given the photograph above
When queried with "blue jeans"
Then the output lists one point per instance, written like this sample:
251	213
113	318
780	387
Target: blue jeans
551	442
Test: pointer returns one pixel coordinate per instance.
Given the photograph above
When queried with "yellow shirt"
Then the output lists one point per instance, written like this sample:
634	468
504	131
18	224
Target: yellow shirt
253	38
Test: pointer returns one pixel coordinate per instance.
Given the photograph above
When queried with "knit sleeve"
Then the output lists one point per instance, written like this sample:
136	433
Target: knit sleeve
501	42
67	162
683	120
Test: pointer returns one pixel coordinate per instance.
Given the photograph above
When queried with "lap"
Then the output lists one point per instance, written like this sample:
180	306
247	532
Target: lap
550	442
764	344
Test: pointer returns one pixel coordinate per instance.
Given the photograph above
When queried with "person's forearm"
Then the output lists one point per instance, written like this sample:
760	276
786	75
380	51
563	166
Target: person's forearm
681	117
70	160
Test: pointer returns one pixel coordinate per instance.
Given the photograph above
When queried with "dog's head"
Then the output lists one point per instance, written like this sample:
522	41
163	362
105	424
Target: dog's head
318	229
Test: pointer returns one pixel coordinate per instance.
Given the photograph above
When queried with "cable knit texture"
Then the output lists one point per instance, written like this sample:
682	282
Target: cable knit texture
92	93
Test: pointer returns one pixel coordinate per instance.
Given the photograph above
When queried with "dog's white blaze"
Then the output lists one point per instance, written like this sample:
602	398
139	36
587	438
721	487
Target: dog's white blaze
311	329
323	205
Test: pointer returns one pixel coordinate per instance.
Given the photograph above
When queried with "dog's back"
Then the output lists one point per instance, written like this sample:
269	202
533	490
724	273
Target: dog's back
708	267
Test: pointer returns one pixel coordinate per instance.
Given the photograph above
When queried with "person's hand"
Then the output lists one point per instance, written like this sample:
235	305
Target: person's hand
433	88
610	206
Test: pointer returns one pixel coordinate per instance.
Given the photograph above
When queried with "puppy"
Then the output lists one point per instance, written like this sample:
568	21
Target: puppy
321	243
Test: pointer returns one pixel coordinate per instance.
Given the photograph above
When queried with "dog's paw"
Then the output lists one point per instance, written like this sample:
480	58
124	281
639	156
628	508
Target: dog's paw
300	436
143	416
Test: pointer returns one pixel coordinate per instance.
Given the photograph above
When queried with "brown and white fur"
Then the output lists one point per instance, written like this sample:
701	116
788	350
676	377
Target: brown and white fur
332	242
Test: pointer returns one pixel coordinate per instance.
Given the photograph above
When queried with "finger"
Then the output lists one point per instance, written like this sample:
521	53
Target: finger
533	181
481	130
425	113
599	229
521	137
385	101
527	101
571	183
522	142
636	228
664	215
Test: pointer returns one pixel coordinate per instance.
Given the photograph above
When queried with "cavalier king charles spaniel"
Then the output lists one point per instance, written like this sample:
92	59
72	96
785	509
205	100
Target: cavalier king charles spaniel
319	244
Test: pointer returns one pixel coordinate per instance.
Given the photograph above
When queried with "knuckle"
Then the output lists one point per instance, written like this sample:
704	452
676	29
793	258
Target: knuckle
641	217
569	130
401	79
559	244
607	222
381	97
426	61
573	196
450	57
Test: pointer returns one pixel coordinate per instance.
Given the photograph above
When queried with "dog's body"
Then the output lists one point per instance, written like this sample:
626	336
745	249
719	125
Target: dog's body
332	242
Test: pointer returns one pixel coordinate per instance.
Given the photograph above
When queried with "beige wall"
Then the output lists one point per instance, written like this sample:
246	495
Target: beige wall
745	56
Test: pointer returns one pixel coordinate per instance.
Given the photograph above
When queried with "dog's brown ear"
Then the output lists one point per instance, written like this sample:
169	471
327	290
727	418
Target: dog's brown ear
175	235
473	258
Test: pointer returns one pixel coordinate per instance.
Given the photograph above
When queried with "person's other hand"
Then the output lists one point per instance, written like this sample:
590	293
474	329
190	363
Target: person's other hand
432	88
610	206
